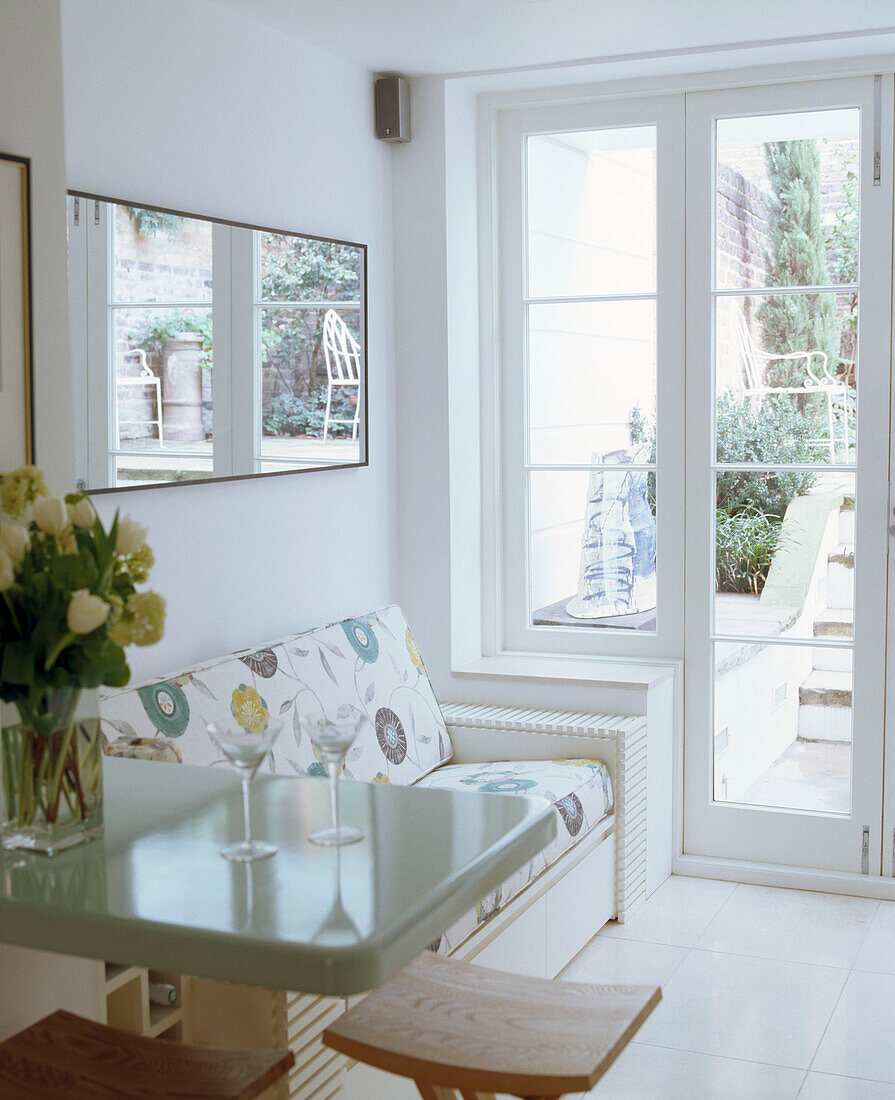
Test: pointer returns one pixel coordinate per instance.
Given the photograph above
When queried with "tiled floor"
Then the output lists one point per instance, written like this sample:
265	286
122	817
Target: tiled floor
767	994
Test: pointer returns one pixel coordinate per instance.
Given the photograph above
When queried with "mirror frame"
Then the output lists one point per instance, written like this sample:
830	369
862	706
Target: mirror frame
93	197
24	304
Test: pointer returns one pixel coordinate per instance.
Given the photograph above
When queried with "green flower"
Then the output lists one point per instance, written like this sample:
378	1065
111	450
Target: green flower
140	564
20	488
142	622
363	640
166	707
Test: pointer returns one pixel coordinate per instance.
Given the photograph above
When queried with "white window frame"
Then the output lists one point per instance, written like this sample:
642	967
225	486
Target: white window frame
506	617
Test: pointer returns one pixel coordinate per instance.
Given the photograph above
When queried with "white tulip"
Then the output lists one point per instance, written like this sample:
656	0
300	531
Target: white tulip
7	574
86	612
131	536
14	540
51	515
82	514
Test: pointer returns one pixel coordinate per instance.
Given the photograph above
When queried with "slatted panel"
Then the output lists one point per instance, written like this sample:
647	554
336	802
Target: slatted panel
318	1071
629	734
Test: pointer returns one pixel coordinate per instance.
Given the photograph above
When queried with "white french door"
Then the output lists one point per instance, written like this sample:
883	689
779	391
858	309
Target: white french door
789	300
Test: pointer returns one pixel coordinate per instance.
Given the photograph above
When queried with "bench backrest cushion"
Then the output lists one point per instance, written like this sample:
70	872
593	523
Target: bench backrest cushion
366	666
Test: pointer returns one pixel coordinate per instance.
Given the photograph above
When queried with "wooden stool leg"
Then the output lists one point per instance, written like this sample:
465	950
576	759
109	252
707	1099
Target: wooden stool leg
436	1092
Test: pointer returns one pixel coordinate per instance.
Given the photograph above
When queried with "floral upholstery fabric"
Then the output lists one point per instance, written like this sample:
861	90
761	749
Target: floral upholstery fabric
581	793
368	666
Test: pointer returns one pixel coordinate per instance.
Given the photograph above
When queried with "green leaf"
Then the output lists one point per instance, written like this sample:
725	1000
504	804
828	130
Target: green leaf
18	663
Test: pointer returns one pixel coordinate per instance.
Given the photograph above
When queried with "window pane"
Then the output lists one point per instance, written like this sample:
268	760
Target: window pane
785	378
783	726
787	199
296	387
592	382
592	212
163	383
159	257
593	548
785	554
296	269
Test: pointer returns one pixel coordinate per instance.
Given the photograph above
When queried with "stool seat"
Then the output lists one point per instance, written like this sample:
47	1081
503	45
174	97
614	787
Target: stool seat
67	1056
450	1025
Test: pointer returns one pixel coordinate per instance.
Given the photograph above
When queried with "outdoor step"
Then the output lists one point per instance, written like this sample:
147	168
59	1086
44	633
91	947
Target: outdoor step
830	659
835	622
825	712
826	689
843	554
841	577
847	521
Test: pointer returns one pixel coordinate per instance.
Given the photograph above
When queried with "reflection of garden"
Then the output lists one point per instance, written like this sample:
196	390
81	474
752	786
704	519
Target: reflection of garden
302	277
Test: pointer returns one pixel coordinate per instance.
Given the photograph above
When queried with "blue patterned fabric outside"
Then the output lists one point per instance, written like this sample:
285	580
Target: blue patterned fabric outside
617	574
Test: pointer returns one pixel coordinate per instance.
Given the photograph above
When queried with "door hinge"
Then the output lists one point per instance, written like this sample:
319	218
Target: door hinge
865	851
893	853
96	213
77	211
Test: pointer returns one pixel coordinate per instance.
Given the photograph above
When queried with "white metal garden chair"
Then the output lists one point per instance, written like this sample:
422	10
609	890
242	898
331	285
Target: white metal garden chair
342	368
144	380
818	379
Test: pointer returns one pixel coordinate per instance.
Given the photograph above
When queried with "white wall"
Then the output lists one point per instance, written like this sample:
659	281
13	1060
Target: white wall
181	103
31	126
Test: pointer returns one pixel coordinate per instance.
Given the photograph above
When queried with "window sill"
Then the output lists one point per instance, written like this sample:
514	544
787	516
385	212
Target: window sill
607	672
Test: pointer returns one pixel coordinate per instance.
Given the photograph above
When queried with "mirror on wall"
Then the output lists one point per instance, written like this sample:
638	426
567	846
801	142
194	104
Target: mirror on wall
204	349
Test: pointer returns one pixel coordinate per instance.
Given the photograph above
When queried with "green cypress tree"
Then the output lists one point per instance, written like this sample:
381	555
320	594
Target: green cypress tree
797	257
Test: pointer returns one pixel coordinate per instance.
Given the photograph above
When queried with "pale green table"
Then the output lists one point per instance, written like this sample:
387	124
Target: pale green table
155	892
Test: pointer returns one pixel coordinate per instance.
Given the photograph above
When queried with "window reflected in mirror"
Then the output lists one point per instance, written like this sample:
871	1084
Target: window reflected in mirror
204	349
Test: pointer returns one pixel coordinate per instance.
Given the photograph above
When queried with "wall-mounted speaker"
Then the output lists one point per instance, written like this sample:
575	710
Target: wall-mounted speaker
393	109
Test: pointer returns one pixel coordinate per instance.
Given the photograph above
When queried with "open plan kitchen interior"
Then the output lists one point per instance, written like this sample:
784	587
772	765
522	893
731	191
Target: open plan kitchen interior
446	549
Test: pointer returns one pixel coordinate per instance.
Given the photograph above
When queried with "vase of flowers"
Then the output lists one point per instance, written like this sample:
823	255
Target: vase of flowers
69	605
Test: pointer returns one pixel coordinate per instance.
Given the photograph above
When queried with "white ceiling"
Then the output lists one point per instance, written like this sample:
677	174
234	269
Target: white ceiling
414	37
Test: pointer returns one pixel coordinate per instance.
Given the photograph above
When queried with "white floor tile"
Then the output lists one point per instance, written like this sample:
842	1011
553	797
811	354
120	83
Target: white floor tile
655	1073
878	952
824	1086
608	959
676	914
798	925
762	1010
858	1042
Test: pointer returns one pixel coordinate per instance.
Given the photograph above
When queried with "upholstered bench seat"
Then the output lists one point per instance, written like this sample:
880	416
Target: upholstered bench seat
581	793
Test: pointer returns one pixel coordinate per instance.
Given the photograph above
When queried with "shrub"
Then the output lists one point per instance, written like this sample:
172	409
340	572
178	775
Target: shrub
293	415
773	432
745	543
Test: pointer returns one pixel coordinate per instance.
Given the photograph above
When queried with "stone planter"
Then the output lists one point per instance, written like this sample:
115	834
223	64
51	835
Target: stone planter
182	388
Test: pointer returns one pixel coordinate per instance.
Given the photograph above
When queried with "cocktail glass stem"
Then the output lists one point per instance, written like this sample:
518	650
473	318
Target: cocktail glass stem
246	778
334	767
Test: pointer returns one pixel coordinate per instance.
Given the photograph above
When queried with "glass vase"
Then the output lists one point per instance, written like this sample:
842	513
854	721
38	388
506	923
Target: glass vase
52	777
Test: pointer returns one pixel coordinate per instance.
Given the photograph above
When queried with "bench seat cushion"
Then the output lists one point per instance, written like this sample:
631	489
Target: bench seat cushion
365	666
581	793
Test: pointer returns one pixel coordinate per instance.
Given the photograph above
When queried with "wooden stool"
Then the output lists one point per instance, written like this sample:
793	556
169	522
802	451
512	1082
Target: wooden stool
64	1055
451	1026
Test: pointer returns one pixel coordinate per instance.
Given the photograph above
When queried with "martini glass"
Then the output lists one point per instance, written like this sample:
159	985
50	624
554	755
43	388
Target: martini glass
333	738
246	752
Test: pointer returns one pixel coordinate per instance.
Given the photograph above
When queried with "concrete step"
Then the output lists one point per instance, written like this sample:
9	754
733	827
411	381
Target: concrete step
825	707
827	659
836	622
841	577
847	521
